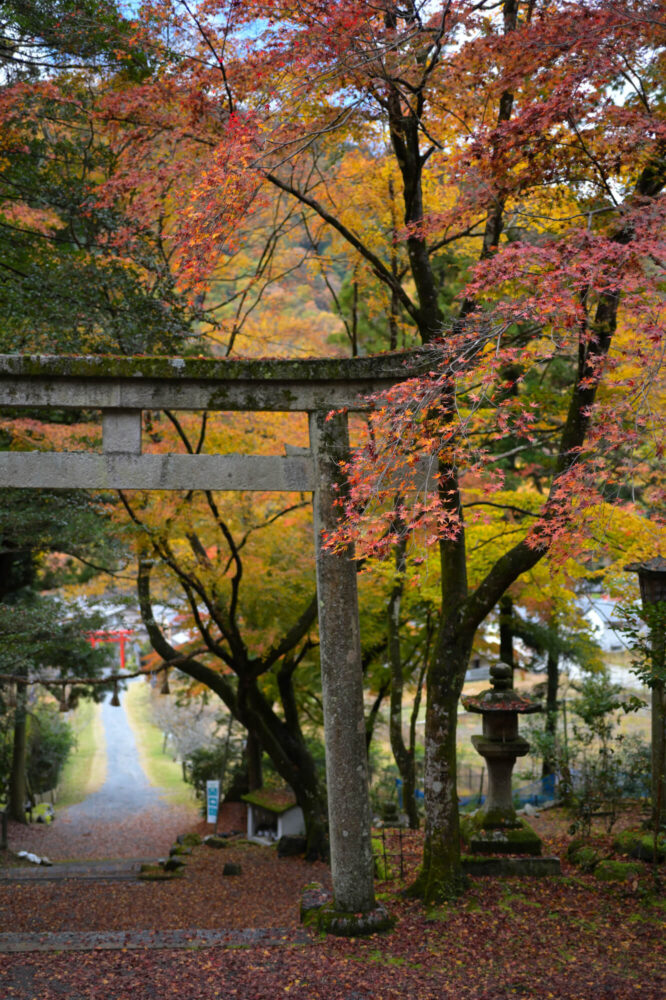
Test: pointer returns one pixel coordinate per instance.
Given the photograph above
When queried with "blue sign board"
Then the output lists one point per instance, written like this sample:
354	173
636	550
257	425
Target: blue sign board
212	800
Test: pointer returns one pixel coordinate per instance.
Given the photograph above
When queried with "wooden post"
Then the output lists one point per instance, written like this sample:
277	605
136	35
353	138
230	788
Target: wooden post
342	682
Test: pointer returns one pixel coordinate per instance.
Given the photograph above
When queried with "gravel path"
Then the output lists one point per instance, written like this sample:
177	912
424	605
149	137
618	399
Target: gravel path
126	790
126	818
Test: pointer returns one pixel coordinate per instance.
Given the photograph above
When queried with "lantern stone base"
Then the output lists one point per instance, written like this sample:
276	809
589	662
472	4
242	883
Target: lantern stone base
473	864
481	837
518	838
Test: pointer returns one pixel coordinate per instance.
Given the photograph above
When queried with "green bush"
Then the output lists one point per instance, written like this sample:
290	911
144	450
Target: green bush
50	742
205	764
602	765
209	763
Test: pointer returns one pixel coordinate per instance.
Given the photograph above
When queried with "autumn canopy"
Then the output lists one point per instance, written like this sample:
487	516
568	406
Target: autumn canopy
478	181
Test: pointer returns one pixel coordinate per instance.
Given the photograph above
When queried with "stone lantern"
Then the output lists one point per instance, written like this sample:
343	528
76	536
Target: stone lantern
498	826
500	744
652	581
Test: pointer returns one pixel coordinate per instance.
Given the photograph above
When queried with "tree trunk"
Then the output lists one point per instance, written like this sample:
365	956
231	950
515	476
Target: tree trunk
403	757
441	876
506	632
413	719
18	788
658	724
371	717
253	753
552	684
312	801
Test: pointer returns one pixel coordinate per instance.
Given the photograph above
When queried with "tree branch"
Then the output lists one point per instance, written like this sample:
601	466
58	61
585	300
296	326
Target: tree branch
378	266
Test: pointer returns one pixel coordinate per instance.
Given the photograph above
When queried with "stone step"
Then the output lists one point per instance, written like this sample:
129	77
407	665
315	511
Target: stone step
118	870
11	943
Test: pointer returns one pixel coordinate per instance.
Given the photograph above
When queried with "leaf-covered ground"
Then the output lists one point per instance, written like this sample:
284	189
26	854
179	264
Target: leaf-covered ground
571	937
141	835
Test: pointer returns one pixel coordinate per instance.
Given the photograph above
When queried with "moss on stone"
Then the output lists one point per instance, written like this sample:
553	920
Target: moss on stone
584	857
484	865
261	369
617	871
180	850
499	819
156	873
214	841
519	839
189	839
640	844
313	897
331	921
274	800
574	846
436	889
173	863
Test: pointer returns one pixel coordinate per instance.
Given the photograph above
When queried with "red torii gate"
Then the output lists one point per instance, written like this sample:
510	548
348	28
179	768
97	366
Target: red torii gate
119	635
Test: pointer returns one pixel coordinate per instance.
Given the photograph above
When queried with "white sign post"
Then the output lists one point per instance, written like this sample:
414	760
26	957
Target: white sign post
212	800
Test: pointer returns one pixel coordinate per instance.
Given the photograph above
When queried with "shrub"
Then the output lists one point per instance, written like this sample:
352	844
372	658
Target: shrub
50	742
205	764
602	766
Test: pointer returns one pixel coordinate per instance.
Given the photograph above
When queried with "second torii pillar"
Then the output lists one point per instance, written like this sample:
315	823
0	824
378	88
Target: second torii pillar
342	681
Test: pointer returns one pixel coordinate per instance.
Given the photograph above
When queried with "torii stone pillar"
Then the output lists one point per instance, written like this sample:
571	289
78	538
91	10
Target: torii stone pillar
342	681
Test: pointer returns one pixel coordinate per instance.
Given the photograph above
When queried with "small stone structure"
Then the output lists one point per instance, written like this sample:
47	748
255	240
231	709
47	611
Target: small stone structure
500	745
496	829
274	810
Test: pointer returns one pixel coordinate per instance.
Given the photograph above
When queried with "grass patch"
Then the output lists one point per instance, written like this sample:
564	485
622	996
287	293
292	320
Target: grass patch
438	914
162	771
85	770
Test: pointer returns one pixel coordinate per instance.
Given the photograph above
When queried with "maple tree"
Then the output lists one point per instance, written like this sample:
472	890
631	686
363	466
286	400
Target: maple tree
575	161
560	69
526	135
63	278
86	267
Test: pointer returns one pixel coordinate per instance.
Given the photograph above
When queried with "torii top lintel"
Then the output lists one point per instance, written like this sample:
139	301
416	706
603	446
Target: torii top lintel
137	383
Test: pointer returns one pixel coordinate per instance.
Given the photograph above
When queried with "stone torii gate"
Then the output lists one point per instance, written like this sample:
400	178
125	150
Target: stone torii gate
121	388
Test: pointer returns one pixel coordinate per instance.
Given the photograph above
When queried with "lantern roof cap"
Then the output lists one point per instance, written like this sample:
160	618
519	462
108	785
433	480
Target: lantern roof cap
501	697
655	565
